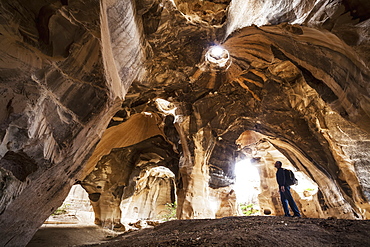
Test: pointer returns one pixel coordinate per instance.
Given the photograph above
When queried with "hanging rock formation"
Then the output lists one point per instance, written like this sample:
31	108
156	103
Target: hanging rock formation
294	72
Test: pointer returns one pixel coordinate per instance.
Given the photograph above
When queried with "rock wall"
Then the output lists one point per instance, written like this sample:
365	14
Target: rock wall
154	196
60	86
223	202
347	19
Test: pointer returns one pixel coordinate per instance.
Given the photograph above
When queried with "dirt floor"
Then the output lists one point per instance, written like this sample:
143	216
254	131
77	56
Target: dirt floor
230	231
60	235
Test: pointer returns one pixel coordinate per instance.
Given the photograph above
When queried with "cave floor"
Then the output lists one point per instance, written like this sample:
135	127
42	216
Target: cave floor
50	235
228	231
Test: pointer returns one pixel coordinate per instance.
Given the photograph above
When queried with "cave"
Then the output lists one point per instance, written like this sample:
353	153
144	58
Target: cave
150	103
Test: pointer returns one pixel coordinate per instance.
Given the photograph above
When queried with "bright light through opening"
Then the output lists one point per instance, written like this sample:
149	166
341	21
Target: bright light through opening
247	182
218	56
216	51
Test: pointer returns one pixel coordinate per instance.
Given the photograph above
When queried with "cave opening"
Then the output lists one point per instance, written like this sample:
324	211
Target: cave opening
247	187
255	181
75	209
218	57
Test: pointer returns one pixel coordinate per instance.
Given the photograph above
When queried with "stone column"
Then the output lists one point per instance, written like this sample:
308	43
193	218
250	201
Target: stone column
194	192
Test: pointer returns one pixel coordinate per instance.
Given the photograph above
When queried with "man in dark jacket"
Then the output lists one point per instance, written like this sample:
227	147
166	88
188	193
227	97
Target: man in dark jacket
284	189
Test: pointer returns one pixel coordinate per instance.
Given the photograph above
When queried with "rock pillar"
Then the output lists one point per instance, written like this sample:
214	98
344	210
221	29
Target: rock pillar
194	174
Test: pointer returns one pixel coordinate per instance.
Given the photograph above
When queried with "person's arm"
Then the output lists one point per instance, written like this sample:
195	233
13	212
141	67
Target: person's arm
281	179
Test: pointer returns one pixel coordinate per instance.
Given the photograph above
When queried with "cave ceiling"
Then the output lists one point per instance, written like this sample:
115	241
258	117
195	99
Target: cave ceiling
141	78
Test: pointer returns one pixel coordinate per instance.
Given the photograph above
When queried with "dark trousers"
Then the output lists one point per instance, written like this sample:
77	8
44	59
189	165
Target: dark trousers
286	198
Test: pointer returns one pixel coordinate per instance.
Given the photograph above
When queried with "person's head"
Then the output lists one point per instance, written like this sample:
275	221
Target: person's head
278	164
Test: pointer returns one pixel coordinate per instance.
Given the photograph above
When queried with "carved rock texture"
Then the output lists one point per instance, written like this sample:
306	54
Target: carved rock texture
153	196
127	153
301	82
59	90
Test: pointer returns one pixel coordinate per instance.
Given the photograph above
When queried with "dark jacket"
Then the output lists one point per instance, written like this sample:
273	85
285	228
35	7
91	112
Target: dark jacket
280	177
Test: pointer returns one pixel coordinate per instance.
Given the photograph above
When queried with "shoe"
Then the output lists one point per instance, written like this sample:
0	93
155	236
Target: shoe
298	216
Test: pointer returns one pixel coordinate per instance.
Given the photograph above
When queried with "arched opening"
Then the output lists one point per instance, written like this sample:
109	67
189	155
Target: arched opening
256	184
154	198
75	209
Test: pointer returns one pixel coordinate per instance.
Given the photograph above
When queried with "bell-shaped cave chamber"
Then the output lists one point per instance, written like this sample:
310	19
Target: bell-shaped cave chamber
185	112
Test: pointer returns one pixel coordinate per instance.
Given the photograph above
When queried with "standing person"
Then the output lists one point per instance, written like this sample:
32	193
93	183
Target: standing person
284	189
